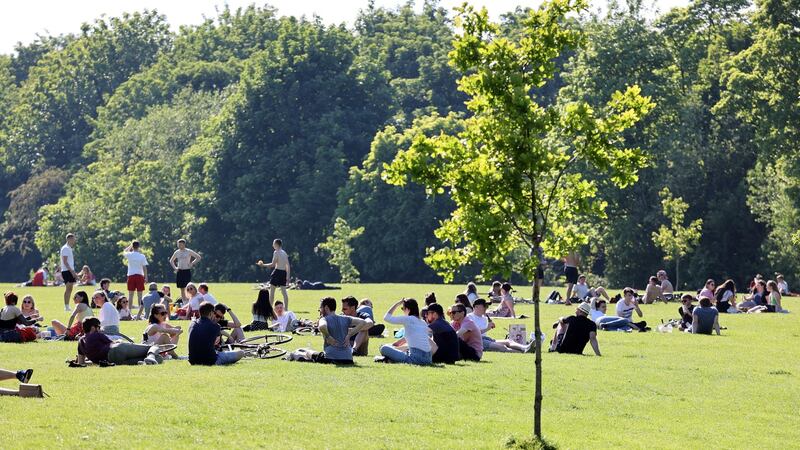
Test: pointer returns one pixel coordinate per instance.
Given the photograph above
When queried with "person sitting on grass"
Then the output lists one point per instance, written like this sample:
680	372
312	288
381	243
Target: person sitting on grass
195	299
236	334
109	318
599	308
202	288
494	294
365	310
470	340
336	332
756	298
667	291
705	318
627	305
29	309
148	301
10	317
360	341
74	327
506	308
99	348
573	332
23	376
445	337
284	320
685	311
166	297
204	338
773	300
262	312
463	299
584	292
485	324
652	292
419	347
725	297
471	292
159	331
86	277
708	290
430	298
783	286
123	308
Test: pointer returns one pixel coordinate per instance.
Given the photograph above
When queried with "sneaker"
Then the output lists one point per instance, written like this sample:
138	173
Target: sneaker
151	360
381	359
530	348
24	375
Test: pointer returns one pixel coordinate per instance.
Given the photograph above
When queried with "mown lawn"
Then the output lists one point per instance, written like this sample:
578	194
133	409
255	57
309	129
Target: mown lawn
740	390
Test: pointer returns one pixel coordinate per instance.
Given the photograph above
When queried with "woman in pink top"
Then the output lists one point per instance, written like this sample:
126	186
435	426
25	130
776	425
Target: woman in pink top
708	290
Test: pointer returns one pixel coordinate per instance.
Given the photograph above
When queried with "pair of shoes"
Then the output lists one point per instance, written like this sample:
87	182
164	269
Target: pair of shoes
24	375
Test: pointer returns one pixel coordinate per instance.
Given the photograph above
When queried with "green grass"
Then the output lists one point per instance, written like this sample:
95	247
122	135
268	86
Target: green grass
739	390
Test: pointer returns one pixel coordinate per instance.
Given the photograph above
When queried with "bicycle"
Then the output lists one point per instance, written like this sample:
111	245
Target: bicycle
263	350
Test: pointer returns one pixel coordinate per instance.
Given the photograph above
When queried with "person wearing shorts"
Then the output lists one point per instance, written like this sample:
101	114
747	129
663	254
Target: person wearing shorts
280	271
571	273
182	262
137	270
68	269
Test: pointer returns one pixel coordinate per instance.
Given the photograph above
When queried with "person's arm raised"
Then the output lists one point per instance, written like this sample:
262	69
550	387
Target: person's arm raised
389	316
236	322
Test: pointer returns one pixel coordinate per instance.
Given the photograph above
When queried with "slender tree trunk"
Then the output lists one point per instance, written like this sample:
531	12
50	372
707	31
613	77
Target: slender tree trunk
677	273
537	403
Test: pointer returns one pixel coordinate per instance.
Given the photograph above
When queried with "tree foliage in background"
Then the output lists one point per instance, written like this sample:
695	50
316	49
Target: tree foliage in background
337	247
512	170
676	240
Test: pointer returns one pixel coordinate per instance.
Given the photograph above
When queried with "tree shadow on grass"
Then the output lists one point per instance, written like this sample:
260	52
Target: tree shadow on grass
531	443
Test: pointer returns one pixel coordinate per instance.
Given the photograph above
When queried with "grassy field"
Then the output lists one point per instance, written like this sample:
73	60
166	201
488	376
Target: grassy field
739	390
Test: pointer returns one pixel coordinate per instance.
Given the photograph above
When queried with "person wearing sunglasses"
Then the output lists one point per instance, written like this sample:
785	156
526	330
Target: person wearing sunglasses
124	309
204	338
109	317
470	341
708	290
159	331
236	334
685	312
29	309
74	328
10	317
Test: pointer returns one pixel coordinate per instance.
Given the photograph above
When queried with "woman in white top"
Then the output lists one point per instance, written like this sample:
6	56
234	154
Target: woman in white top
472	292
159	331
417	335
725	296
123	308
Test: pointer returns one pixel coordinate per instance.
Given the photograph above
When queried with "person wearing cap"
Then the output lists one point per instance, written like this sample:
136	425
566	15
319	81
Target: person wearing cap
470	341
478	315
685	312
444	336
667	291
506	308
148	301
574	332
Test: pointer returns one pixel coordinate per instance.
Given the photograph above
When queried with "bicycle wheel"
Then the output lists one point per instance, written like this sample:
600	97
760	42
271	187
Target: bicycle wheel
266	351
272	339
304	331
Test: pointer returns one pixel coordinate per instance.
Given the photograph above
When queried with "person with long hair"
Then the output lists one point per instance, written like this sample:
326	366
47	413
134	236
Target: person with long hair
725	295
29	308
74	328
123	309
159	331
506	308
262	312
772	298
10	317
708	290
756	298
416	334
463	299
471	293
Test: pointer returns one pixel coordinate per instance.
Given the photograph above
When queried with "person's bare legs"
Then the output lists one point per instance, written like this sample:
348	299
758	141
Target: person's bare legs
67	294
285	297
7	375
272	296
59	327
139	297
559	331
498	347
513	346
165	339
183	295
601	291
569	294
237	335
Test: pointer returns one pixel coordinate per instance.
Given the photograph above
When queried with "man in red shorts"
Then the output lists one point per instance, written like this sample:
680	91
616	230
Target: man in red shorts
137	270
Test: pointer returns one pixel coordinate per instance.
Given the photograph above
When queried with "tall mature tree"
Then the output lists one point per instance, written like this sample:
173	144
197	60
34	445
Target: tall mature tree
512	172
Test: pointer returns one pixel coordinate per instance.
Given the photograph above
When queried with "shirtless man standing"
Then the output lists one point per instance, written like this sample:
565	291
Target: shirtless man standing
182	262
571	272
280	271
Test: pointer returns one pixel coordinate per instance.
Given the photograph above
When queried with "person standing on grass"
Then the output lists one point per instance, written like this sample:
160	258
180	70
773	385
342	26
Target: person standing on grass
571	273
484	323
68	274
281	271
444	336
470	341
705	318
574	332
137	271
360	341
182	262
416	335
204	338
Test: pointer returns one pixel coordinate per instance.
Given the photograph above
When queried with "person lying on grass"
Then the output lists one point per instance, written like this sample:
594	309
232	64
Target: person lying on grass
159	331
470	341
360	341
99	348
444	336
23	376
236	334
336	332
605	322
205	337
74	327
485	324
419	346
705	318
573	332
262	312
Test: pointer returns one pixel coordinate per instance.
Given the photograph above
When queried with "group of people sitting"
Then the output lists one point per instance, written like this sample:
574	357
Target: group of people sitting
42	278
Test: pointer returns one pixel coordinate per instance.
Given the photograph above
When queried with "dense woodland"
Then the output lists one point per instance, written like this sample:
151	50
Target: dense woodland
252	126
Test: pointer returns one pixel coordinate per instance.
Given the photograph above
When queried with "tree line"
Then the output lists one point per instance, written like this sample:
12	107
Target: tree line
252	126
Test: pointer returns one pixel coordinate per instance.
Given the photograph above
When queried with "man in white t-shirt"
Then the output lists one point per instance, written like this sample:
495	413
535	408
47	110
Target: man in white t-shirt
285	319
137	270
202	288
109	317
68	269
